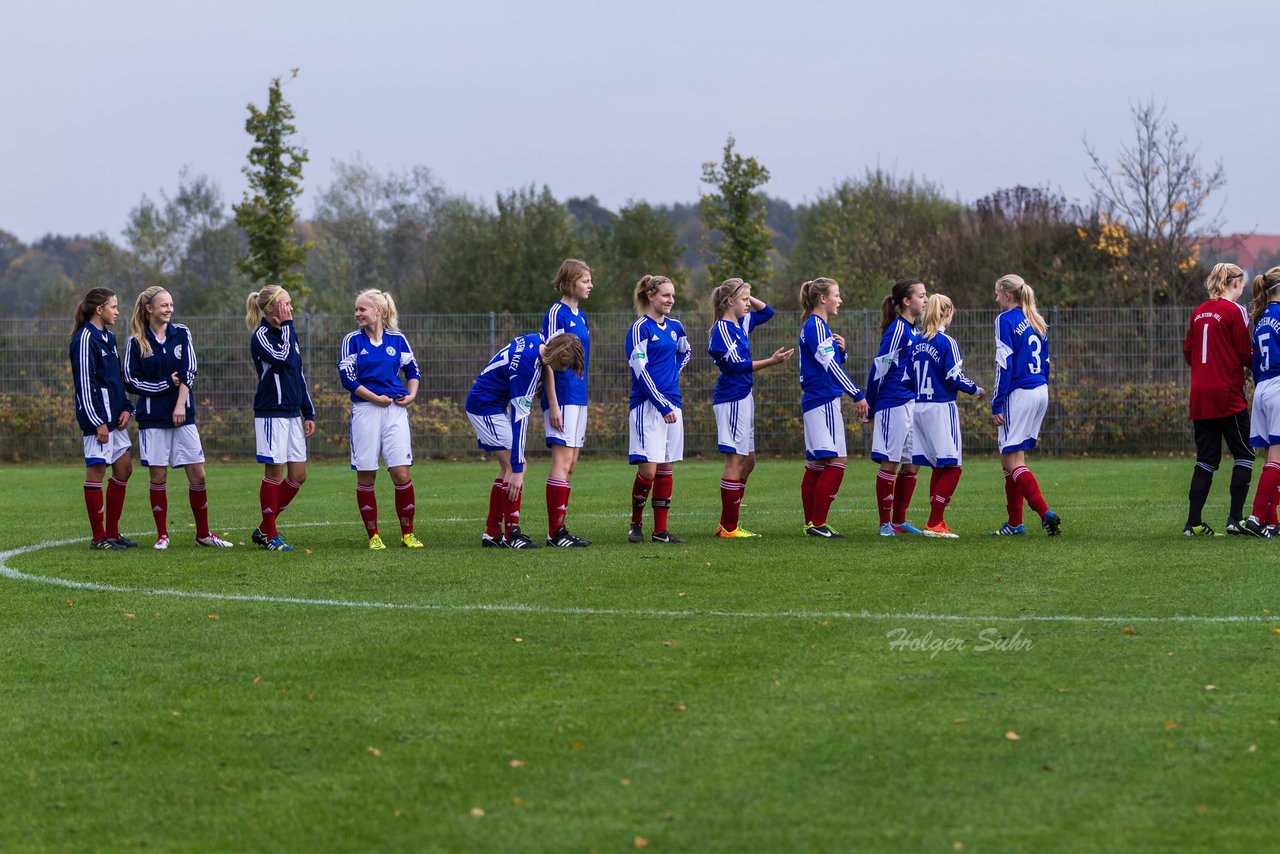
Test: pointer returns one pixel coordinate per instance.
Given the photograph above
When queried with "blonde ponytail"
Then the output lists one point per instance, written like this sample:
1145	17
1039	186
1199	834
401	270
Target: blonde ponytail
936	311
139	322
256	304
1016	286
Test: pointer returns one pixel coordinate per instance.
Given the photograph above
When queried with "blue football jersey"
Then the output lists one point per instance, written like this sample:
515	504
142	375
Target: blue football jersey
1022	357
376	366
730	349
939	369
822	374
889	382
657	353
507	386
1266	344
571	389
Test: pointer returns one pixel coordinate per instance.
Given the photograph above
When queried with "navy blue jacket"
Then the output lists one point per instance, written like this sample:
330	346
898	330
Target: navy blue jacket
277	360
149	377
95	371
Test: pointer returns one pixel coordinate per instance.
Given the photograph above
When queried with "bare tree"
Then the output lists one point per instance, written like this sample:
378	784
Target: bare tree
1157	193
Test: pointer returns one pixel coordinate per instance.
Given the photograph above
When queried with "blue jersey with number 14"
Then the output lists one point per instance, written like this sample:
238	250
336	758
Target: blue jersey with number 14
1022	357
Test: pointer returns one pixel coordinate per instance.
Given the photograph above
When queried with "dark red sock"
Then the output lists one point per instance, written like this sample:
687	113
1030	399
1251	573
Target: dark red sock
903	487
93	504
557	504
1263	499
268	499
288	490
662	489
367	501
160	508
942	485
497	502
1012	499
198	498
511	510
1030	490
808	485
730	502
825	492
115	506
405	507
742	491
1272	517
884	494
639	495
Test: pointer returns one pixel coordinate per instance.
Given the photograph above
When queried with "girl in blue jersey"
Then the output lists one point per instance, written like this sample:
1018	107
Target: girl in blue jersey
938	370
891	396
283	415
1264	426
657	351
823	383
498	407
564	399
160	367
1020	399
737	313
102	411
370	363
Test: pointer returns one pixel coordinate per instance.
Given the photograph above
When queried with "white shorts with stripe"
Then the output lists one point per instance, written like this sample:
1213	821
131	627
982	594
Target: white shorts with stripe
935	434
170	446
824	432
736	426
379	431
891	433
493	432
574	433
1264	422
653	440
117	446
1023	411
280	440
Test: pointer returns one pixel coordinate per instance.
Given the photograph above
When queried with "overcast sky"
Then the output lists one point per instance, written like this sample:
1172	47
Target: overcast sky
106	100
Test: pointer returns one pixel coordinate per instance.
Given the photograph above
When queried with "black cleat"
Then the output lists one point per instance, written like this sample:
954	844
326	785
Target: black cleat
106	544
1234	528
562	539
665	537
126	543
636	533
489	542
823	532
259	538
1052	523
1256	528
516	540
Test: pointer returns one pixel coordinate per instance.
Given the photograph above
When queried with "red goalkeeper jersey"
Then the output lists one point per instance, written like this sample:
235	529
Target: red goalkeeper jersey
1218	349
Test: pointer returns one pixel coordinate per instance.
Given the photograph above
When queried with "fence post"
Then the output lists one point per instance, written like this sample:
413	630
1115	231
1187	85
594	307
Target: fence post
493	331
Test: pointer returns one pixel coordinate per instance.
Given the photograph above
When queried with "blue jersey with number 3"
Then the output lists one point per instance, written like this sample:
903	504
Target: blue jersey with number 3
1022	357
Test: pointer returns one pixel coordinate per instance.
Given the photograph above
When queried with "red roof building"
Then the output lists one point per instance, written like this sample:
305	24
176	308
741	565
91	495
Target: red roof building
1247	250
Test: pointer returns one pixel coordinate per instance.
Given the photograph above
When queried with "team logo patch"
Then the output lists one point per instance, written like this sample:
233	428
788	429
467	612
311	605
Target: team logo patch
391	351
638	355
364	352
177	352
654	338
673	335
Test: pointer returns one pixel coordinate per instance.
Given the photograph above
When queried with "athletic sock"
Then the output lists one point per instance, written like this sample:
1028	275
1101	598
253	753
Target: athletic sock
1201	481
198	498
115	506
1265	496
268	499
639	495
903	487
1012	500
884	494
497	503
511	510
288	490
808	487
160	508
1030	490
405	507
662	489
367	501
730	502
826	491
1272	518
94	506
1241	475
557	504
942	485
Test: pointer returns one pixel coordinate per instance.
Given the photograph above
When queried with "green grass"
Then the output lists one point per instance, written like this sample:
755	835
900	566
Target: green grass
712	696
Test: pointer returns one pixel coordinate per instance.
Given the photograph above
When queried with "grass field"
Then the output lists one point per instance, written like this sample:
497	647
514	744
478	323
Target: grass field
1115	687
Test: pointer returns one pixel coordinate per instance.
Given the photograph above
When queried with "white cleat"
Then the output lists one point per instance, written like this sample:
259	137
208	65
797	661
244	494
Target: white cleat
212	540
162	543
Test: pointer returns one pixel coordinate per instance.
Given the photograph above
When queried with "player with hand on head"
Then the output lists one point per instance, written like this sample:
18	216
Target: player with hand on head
938	369
160	367
657	352
371	361
498	407
283	414
102	411
1264	426
737	313
823	383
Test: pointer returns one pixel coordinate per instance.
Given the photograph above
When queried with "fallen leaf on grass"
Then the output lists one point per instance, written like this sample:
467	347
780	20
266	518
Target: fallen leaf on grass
577	745
70	604
517	801
1128	630
958	845
310	552
681	595
1211	687
826	624
1253	748
516	763
960	721
476	812
1203	809
626	781
257	680
128	616
213	616
375	752
668	643
679	707
1170	724
1012	736
517	639
641	842
1275	630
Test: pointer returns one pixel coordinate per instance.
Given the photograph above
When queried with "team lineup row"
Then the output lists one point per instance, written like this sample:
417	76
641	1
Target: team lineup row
909	401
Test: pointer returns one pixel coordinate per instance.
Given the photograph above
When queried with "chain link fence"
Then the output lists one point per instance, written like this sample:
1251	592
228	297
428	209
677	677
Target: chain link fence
1119	382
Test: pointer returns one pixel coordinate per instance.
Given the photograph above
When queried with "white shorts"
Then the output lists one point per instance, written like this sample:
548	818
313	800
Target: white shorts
935	434
1264	423
117	446
824	432
170	446
280	440
493	432
575	426
891	433
653	440
379	431
1023	411
736	426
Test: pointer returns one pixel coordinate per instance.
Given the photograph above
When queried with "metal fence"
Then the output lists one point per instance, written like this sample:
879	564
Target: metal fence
1119	382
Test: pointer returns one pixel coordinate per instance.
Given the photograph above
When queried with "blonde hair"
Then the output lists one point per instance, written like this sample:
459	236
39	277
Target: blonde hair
645	289
936	311
385	305
1262	287
140	321
1221	273
1016	286
571	269
811	290
723	296
256	304
564	353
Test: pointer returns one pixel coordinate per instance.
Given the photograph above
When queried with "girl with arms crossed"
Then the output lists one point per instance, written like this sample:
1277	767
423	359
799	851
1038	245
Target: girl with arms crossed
160	367
1264	426
737	313
370	363
564	399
